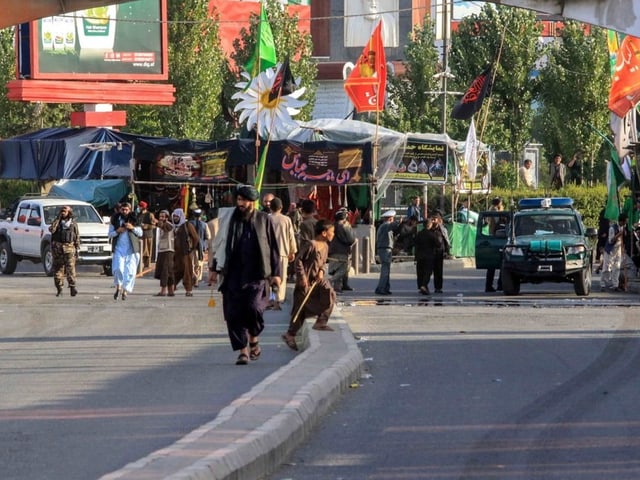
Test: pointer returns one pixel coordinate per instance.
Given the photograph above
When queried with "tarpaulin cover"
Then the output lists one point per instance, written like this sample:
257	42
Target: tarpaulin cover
99	193
66	153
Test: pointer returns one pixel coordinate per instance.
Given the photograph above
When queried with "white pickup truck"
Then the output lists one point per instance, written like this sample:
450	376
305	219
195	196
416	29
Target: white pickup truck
24	234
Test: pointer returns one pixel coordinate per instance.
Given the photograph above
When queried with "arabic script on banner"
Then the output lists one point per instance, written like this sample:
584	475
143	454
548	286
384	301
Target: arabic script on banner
339	166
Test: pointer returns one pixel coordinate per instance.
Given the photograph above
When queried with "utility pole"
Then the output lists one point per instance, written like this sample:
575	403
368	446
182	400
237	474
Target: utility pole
445	75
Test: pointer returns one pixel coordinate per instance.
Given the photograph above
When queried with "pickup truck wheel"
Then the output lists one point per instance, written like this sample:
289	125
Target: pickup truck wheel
47	260
510	283
582	282
8	261
106	269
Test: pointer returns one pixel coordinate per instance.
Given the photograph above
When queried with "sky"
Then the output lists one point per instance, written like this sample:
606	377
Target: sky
462	9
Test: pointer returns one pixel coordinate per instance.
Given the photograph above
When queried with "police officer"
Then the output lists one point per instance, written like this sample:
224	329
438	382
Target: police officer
65	243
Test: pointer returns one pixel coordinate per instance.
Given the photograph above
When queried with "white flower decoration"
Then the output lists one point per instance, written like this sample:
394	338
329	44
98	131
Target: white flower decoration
271	118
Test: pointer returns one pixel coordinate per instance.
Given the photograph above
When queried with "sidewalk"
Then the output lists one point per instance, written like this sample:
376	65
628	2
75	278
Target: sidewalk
257	431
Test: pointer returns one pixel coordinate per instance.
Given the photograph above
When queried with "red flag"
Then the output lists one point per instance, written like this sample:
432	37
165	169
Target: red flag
473	97
367	82
625	84
284	83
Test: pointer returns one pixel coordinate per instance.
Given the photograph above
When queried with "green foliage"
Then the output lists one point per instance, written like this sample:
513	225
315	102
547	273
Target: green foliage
22	117
587	200
413	106
477	44
504	174
574	94
289	42
196	68
10	190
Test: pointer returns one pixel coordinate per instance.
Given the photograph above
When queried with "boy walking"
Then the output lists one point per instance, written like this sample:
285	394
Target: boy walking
313	293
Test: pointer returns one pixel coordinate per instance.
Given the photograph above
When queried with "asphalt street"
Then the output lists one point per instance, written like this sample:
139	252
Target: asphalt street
89	385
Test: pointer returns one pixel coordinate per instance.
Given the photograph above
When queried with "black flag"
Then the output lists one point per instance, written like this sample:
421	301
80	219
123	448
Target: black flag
283	84
473	97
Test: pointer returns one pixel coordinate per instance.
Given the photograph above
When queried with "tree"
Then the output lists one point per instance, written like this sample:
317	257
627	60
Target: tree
22	117
196	69
413	103
479	43
574	92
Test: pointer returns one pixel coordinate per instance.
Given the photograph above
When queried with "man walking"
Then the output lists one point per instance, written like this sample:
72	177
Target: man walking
65	242
125	235
248	258
286	239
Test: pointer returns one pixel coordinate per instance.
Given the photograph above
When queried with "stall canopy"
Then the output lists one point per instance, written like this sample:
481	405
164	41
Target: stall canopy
100	193
66	153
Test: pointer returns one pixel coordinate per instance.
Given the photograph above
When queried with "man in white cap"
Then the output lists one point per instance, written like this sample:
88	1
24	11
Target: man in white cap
384	245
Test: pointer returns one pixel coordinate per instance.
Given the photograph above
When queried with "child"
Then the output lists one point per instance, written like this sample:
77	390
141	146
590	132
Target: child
313	294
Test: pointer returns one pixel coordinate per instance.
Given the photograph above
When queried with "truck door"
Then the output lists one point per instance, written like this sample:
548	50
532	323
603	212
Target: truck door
33	231
20	228
491	237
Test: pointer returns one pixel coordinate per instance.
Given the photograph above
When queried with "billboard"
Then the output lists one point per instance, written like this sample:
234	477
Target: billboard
126	41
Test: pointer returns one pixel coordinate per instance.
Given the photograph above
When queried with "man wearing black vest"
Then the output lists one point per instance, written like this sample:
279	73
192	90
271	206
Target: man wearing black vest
65	242
248	259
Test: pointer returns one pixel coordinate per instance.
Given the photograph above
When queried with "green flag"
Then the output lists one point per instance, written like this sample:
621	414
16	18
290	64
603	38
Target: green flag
612	209
615	179
264	56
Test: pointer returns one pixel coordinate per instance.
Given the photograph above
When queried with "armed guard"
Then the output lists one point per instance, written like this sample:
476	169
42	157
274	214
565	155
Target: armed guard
65	243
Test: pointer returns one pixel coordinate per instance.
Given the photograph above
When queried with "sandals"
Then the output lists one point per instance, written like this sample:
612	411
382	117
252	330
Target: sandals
189	294
117	293
160	295
242	359
290	341
254	350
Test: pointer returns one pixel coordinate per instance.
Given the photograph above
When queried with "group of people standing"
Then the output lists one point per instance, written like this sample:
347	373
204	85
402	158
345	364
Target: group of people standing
181	244
430	245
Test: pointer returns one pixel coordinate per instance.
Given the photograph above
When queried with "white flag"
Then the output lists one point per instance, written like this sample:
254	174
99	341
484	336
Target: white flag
471	151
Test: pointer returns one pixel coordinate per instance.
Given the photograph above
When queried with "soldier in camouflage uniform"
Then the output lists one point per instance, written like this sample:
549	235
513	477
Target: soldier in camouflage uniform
65	242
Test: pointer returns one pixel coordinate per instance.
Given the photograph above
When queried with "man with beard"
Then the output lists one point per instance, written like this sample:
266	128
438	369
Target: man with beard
248	258
125	234
65	242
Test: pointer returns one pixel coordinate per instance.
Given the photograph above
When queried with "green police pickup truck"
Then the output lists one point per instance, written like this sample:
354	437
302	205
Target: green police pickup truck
543	241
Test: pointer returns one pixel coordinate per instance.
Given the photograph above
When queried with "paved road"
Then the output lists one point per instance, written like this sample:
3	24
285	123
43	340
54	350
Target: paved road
466	391
88	384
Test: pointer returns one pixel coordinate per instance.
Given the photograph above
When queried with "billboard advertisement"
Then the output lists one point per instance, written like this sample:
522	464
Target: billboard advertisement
126	41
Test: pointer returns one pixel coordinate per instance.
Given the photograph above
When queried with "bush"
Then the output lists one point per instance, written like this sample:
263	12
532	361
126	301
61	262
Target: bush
587	200
10	190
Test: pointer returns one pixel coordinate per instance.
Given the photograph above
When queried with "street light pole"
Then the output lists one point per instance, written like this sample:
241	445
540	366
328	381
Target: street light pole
445	74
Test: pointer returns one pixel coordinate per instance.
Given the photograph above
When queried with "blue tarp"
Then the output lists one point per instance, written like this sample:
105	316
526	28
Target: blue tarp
100	193
66	153
74	153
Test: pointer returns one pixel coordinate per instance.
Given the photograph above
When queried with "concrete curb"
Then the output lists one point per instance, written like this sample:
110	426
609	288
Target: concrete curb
254	434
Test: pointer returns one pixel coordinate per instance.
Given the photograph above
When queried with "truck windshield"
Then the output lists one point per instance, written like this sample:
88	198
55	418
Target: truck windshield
546	224
82	213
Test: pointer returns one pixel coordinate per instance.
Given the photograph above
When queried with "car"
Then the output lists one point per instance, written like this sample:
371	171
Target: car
24	234
545	240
